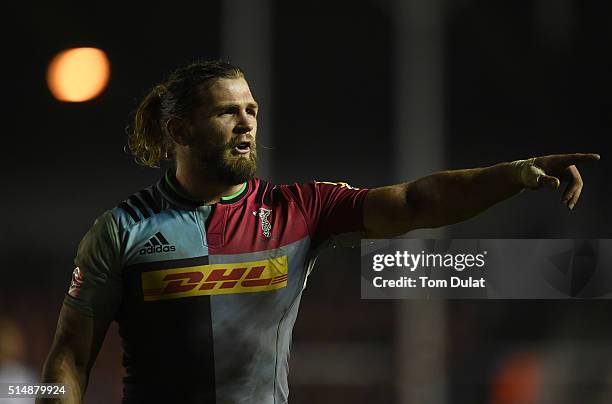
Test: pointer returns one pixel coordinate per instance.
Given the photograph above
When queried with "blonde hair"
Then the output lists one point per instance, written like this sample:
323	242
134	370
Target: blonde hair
148	138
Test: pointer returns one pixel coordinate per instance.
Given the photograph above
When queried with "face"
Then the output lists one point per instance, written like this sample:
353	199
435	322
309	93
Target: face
222	132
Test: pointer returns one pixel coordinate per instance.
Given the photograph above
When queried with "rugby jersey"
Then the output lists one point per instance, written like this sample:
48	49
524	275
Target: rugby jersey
206	296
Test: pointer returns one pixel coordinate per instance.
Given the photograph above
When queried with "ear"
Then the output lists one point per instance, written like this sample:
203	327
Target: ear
179	130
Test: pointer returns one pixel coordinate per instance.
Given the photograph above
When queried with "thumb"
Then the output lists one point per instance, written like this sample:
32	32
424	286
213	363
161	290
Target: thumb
548	181
529	173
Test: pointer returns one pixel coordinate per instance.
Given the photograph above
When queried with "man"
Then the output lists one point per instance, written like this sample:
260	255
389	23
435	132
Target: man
204	270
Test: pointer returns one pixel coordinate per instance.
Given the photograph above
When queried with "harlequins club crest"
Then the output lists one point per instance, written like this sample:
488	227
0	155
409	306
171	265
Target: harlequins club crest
76	283
263	214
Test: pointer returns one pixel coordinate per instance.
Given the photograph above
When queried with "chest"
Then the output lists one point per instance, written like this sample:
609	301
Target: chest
215	251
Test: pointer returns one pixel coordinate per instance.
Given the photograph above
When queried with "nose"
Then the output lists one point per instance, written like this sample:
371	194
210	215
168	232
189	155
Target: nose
246	123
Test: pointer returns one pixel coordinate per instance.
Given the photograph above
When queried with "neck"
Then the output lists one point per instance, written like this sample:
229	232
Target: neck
200	186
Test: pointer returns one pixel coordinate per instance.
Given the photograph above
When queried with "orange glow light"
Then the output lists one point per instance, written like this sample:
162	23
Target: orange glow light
78	74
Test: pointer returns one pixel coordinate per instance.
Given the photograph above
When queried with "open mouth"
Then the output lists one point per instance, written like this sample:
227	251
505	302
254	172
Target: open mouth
242	148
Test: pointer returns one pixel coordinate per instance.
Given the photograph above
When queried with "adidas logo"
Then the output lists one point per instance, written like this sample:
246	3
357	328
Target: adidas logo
157	244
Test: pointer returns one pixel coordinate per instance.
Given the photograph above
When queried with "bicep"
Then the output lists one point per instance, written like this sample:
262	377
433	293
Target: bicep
77	341
389	211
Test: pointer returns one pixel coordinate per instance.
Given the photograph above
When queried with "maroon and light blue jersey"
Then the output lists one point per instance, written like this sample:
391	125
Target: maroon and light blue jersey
206	296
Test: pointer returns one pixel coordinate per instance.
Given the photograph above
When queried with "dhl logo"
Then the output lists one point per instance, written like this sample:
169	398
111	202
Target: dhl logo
215	279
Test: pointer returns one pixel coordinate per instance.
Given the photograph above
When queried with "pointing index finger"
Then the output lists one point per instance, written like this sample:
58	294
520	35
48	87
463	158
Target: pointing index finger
571	159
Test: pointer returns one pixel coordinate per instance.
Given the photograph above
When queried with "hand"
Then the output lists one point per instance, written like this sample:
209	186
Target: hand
549	171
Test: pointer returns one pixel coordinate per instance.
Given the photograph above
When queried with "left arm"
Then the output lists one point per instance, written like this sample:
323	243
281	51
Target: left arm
449	197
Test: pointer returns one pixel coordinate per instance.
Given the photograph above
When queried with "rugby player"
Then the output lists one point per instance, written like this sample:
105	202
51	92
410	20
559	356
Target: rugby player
204	270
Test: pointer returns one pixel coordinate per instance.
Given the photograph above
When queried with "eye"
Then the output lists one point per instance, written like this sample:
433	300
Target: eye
251	111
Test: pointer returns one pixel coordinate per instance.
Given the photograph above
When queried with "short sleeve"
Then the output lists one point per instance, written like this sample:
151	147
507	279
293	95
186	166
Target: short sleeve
330	208
95	288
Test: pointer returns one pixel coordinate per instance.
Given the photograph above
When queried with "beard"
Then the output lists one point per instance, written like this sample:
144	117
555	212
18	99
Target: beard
219	161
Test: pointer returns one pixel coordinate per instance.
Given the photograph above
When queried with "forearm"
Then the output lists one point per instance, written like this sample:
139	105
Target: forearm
61	368
449	197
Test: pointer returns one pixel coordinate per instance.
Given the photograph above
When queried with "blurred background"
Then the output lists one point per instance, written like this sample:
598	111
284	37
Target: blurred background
367	92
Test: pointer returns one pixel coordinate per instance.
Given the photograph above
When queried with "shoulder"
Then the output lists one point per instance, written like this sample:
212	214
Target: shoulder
266	193
312	190
140	206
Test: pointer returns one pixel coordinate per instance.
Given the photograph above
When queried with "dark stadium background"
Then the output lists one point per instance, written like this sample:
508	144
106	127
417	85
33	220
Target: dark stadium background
367	92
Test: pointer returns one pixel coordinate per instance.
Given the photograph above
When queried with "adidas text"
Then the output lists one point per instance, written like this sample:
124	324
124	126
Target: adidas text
157	249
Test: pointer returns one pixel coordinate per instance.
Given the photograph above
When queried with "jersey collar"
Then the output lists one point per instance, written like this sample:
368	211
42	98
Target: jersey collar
174	192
